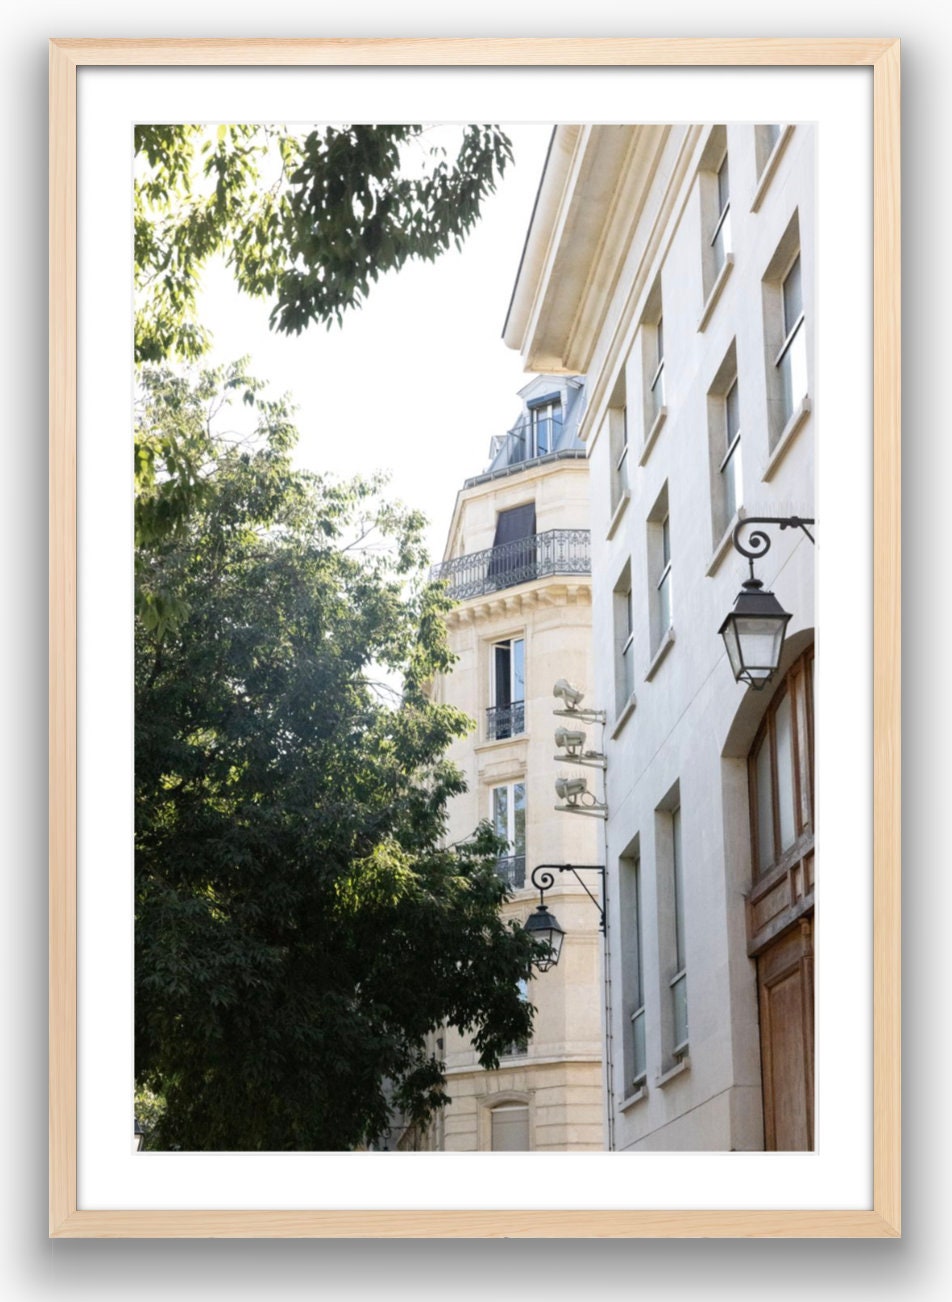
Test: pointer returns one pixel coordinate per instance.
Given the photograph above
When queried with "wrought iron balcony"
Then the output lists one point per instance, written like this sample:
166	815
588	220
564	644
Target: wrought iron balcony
505	720
557	551
512	869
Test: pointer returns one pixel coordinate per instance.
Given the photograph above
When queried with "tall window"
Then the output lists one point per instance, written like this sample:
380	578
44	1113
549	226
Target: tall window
721	235
509	824
618	441
513	557
506	717
785	336
656	386
791	360
780	773
766	139
633	969
654	406
519	1048
723	418
678	982
545	423
659	570
624	642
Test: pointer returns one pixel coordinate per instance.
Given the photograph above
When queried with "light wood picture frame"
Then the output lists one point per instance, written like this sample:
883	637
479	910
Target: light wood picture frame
66	1217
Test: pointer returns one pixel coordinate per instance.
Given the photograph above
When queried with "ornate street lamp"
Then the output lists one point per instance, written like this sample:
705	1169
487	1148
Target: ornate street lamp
542	924
754	630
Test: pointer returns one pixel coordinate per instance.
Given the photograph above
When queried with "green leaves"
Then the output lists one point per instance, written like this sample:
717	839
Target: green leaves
300	930
309	222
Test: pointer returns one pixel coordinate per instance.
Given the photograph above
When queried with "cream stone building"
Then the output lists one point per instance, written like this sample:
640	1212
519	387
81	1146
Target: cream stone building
674	267
518	561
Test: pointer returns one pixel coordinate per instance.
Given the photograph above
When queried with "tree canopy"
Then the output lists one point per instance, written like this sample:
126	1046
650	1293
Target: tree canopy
308	221
301	927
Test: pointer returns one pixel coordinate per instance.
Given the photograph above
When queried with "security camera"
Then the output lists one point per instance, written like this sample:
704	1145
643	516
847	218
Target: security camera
567	694
570	788
570	739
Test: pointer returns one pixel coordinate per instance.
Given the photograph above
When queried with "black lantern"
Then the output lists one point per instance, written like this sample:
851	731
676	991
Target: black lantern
543	925
753	633
138	1136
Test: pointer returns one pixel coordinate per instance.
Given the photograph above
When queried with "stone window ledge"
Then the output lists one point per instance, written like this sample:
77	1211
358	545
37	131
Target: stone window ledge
653	433
676	1070
640	1093
790	431
627	710
667	642
618	512
716	290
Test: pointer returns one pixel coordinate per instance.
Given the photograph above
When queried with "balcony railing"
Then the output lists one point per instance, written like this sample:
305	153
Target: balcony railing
512	869
557	551
505	720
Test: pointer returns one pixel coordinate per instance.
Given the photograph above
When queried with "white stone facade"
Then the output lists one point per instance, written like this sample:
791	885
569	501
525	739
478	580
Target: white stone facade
651	265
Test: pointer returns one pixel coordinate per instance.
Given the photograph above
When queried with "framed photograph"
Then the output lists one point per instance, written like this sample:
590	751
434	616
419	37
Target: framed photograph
683	284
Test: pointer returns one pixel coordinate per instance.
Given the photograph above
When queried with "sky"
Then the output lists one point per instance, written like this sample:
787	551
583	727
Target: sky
418	379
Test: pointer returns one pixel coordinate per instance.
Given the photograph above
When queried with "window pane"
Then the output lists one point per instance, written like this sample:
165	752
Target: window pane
765	836
732	412
678	888
518	669
722	240
723	186
785	787
664	604
519	819
501	812
657	391
679	995
733	489
665	540
792	297
793	372
660	340
639	1059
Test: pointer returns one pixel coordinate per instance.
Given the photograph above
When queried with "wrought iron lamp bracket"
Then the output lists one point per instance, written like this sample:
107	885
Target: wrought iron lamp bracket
758	544
543	880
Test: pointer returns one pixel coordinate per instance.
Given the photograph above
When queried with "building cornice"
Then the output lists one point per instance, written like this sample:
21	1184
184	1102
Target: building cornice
513	604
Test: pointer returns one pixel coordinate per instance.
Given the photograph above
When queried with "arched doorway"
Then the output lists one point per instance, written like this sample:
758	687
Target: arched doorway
780	911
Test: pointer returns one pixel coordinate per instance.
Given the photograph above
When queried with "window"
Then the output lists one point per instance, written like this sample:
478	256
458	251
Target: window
659	569
510	1128
792	357
785	336
624	641
519	1048
653	366
545	425
780	774
766	136
678	982
714	190
656	386
513	557
723	413
636	1067
721	237
506	716
618	442
509	823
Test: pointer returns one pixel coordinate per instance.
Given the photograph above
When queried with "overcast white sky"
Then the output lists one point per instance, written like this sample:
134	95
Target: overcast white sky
418	379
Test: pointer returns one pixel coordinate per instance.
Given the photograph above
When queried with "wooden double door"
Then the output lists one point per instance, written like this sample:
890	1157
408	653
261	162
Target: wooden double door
781	911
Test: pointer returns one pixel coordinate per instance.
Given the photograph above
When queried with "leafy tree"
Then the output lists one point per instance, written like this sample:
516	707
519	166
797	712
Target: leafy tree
307	221
300	928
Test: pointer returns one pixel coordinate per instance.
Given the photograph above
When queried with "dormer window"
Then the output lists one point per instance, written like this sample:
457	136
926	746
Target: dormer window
545	425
